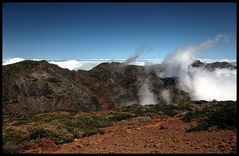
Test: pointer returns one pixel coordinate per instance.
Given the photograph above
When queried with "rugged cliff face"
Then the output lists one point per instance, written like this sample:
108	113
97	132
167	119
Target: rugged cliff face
34	87
37	86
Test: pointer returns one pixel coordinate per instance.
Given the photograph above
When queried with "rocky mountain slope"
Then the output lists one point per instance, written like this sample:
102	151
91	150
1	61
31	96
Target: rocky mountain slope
37	86
33	87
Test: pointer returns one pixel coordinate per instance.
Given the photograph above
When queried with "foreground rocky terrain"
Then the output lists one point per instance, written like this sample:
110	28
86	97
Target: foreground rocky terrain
159	135
193	127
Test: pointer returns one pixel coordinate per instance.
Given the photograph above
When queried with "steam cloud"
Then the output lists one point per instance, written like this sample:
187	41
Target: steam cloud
143	48
145	95
166	96
200	83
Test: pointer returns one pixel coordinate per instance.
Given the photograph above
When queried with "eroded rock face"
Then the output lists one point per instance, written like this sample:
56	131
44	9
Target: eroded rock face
42	87
37	86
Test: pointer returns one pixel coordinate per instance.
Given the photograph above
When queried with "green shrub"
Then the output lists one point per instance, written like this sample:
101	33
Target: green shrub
14	135
60	134
201	127
89	132
188	117
139	112
98	122
118	116
184	107
192	114
38	133
225	117
9	148
59	127
77	133
73	122
152	114
221	114
200	102
170	110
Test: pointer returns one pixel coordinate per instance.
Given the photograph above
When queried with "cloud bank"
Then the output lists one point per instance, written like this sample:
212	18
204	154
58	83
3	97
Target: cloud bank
86	64
12	60
200	83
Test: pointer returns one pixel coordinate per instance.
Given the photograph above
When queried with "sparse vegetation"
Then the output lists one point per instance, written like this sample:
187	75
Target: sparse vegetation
118	116
192	114
225	117
152	110
200	102
38	133
63	127
221	114
60	127
11	148
170	110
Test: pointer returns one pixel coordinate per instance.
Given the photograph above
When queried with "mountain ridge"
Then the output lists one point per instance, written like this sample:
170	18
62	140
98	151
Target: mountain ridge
38	86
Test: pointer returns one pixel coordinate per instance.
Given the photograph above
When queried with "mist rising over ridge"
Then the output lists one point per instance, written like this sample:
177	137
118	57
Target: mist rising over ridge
38	86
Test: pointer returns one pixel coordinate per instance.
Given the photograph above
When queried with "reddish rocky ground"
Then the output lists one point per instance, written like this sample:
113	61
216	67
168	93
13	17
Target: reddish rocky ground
160	135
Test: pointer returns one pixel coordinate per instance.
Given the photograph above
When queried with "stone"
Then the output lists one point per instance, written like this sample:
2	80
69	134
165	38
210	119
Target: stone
93	143
77	139
157	145
79	145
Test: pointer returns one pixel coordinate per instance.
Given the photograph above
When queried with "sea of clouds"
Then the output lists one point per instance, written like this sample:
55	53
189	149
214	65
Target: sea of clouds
86	64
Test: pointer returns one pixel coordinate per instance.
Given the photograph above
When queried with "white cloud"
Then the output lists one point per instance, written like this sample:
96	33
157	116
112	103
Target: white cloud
13	60
216	60
145	95
200	83
86	64
220	84
69	64
166	96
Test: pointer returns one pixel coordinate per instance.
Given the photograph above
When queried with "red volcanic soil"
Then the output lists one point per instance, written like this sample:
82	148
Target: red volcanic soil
160	135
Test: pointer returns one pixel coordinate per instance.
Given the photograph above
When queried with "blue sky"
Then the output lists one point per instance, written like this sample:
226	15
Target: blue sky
115	30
